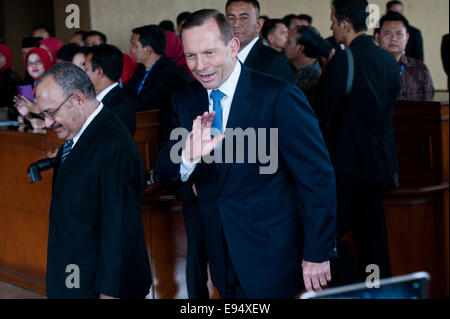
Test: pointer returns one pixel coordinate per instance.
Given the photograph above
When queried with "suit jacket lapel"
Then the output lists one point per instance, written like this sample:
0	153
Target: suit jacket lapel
249	62
240	109
109	99
74	159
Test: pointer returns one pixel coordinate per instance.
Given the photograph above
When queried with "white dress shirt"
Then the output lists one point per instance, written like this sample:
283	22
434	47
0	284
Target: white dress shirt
228	88
243	54
86	124
103	93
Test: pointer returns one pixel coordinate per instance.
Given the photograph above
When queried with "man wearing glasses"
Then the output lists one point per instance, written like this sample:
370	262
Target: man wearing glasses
96	244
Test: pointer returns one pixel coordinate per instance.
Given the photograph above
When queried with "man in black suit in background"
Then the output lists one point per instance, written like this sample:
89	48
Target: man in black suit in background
362	146
414	48
243	16
104	65
96	244
156	77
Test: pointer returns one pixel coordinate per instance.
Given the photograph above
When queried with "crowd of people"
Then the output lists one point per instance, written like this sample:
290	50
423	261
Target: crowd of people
332	101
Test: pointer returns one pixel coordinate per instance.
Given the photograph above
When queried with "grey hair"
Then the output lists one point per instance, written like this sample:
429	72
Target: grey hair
71	78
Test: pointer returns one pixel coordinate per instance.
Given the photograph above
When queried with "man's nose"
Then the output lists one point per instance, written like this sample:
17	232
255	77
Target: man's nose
49	122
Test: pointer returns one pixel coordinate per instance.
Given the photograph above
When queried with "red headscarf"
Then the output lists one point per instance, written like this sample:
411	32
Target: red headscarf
128	69
174	50
53	44
7	53
43	54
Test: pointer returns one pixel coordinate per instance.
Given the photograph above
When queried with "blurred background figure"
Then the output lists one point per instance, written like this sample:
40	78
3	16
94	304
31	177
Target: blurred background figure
275	32
41	31
79	38
9	80
180	19
94	38
167	25
52	46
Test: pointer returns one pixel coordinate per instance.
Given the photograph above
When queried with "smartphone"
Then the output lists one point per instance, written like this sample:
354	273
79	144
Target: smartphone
26	91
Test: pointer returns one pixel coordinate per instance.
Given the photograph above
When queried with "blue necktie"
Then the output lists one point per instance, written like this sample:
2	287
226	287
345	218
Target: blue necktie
66	150
217	97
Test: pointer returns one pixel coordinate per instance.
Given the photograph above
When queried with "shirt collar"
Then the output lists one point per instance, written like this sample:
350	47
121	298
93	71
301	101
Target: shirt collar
86	124
102	94
229	86
246	51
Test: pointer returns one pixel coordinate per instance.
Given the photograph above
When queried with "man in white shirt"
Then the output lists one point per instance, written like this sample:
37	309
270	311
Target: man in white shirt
96	245
243	16
259	243
104	65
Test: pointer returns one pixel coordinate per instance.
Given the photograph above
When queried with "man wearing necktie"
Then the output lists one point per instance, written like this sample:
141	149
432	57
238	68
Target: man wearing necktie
96	245
267	235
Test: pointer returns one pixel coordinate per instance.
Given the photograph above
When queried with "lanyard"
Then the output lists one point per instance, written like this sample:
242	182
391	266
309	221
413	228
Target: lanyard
143	80
402	69
304	77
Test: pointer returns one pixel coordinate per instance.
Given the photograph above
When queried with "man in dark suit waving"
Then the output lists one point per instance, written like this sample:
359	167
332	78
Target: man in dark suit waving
96	244
263	229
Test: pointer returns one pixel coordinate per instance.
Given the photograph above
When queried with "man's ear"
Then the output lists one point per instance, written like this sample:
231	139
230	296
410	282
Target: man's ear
78	98
259	24
148	49
347	26
300	48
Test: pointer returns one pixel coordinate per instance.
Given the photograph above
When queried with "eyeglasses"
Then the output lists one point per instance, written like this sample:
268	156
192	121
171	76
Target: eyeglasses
51	114
34	63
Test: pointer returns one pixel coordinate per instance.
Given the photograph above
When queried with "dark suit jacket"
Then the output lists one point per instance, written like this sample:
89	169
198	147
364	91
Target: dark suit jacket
95	216
414	48
270	222
267	60
362	142
156	93
119	102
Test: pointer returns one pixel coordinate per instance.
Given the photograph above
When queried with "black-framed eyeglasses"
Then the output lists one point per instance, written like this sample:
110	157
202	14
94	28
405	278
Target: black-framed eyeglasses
51	114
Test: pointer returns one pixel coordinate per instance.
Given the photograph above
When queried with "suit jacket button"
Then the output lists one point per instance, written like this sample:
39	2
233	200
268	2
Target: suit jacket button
52	220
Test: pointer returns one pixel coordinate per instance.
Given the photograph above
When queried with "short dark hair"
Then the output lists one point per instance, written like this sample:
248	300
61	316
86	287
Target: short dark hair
269	26
182	16
167	25
198	18
102	36
70	78
393	3
47	29
254	3
306	17
288	18
309	51
265	18
67	52
82	33
394	16
354	11
153	36
109	58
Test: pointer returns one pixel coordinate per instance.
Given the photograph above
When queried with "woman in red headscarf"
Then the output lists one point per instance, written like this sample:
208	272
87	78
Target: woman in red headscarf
51	45
174	50
128	69
9	80
37	61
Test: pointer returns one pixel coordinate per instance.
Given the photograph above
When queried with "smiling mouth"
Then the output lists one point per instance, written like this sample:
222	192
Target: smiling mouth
207	77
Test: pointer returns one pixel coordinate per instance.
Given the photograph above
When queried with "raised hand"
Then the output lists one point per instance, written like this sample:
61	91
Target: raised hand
199	142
